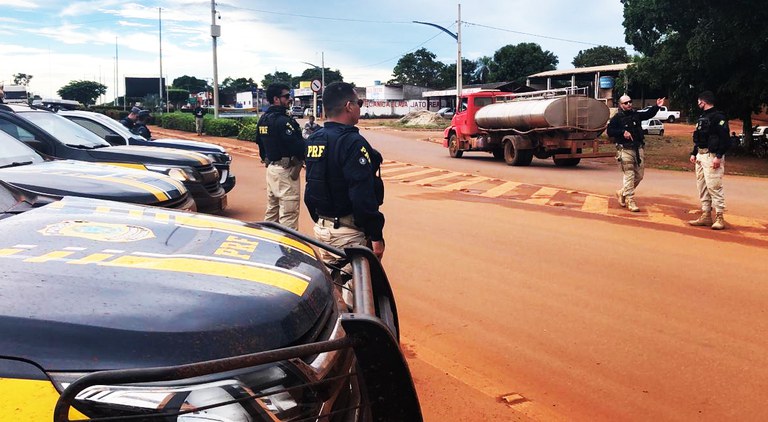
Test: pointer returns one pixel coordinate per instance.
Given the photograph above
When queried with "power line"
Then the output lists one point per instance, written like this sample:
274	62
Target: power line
296	15
532	35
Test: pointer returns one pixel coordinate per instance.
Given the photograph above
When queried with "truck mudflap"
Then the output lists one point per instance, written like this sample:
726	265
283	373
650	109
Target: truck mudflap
371	333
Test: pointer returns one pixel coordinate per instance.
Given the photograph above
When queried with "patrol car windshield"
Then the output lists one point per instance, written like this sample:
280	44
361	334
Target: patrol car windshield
14	153
67	132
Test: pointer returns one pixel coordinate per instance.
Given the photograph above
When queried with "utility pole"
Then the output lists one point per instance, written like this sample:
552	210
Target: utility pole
215	33
160	37
117	90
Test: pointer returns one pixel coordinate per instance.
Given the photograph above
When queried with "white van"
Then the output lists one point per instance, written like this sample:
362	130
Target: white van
15	94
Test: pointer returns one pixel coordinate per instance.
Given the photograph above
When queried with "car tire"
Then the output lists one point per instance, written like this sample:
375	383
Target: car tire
671	119
515	157
453	146
661	132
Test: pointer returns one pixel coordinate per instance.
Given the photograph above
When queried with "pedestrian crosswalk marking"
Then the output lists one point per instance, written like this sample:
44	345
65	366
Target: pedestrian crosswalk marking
657	215
409	175
500	190
465	183
429	180
542	196
595	204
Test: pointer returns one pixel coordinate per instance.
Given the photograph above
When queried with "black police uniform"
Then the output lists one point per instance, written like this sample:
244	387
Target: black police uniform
629	120
279	136
128	123
344	178
712	133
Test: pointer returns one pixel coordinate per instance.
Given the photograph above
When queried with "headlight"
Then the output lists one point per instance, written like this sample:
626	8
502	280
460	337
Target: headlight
182	174
277	392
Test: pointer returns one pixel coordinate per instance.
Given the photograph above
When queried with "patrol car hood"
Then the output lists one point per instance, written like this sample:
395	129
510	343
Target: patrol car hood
89	285
79	178
202	147
149	155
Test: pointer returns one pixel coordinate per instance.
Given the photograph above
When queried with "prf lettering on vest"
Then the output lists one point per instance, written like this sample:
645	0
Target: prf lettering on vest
264	130
365	152
235	247
315	151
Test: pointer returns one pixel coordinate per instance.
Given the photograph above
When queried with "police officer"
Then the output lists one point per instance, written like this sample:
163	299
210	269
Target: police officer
625	130
130	120
281	148
140	127
344	188
710	143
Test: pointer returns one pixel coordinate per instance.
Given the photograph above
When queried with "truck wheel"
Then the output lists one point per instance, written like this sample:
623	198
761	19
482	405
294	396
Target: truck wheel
498	153
671	119
567	162
453	147
514	157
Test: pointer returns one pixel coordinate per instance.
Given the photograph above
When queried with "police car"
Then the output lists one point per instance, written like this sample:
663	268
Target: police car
117	134
55	136
23	167
117	311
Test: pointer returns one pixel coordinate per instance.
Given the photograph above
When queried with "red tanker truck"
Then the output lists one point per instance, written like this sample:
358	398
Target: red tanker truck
561	124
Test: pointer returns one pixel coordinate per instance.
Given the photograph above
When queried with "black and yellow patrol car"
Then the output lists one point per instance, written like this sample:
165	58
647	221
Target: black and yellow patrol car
55	136
111	311
23	167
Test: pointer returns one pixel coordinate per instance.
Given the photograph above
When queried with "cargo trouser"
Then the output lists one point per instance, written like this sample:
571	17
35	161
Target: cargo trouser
283	196
343	236
632	171
199	125
709	181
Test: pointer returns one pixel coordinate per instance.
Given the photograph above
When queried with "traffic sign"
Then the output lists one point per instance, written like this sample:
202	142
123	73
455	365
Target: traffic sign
316	85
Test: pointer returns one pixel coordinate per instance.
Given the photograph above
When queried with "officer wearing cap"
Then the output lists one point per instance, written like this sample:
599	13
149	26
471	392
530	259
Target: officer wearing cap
344	188
710	143
130	120
140	127
281	148
626	131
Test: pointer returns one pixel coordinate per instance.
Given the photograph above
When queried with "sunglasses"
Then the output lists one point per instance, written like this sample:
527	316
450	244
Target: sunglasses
627	102
286	95
359	102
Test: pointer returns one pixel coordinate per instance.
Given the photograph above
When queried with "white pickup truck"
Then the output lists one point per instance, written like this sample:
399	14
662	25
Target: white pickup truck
666	115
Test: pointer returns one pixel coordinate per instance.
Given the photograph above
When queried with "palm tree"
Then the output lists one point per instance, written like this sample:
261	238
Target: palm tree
483	70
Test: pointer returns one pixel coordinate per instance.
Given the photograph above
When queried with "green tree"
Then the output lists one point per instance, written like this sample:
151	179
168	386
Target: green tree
316	73
418	68
513	63
690	46
21	79
448	75
191	84
482	70
277	77
601	55
85	92
177	96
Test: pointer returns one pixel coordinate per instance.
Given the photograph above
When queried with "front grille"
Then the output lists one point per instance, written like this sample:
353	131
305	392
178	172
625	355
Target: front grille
210	178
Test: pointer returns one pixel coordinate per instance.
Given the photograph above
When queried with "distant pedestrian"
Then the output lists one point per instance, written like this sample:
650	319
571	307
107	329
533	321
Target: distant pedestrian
626	131
710	143
310	127
199	120
344	188
140	127
282	149
130	120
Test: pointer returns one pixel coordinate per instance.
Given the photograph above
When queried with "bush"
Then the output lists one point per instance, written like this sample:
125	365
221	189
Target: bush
248	132
220	127
178	121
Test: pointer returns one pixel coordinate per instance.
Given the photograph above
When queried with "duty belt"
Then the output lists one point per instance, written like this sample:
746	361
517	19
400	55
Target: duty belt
346	221
703	150
284	162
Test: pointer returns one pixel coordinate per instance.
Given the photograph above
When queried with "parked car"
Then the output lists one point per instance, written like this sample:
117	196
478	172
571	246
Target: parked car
297	111
115	133
446	112
652	127
23	167
151	314
55	136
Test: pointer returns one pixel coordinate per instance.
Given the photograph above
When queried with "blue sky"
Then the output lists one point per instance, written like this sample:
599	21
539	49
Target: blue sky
59	41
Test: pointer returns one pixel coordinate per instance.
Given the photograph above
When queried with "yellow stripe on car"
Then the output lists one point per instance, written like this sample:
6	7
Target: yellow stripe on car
135	166
202	159
29	400
269	277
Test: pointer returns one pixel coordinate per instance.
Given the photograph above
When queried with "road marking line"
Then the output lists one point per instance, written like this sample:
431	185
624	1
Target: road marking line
542	196
500	190
595	204
411	174
465	183
394	165
657	215
429	180
744	221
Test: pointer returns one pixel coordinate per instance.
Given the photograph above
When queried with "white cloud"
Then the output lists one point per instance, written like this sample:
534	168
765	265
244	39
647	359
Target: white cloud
21	4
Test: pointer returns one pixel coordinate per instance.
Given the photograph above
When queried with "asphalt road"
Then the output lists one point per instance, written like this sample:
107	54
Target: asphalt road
528	294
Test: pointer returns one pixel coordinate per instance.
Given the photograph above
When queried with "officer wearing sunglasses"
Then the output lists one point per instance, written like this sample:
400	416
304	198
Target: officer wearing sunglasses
626	131
344	188
281	148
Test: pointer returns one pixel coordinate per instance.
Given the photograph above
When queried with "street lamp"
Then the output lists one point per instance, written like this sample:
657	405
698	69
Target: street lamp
215	32
457	37
322	80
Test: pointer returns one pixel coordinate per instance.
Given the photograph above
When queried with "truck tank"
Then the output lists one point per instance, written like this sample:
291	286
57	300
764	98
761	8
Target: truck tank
566	112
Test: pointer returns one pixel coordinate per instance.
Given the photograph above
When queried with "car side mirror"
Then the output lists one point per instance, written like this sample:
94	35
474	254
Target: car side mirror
115	139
